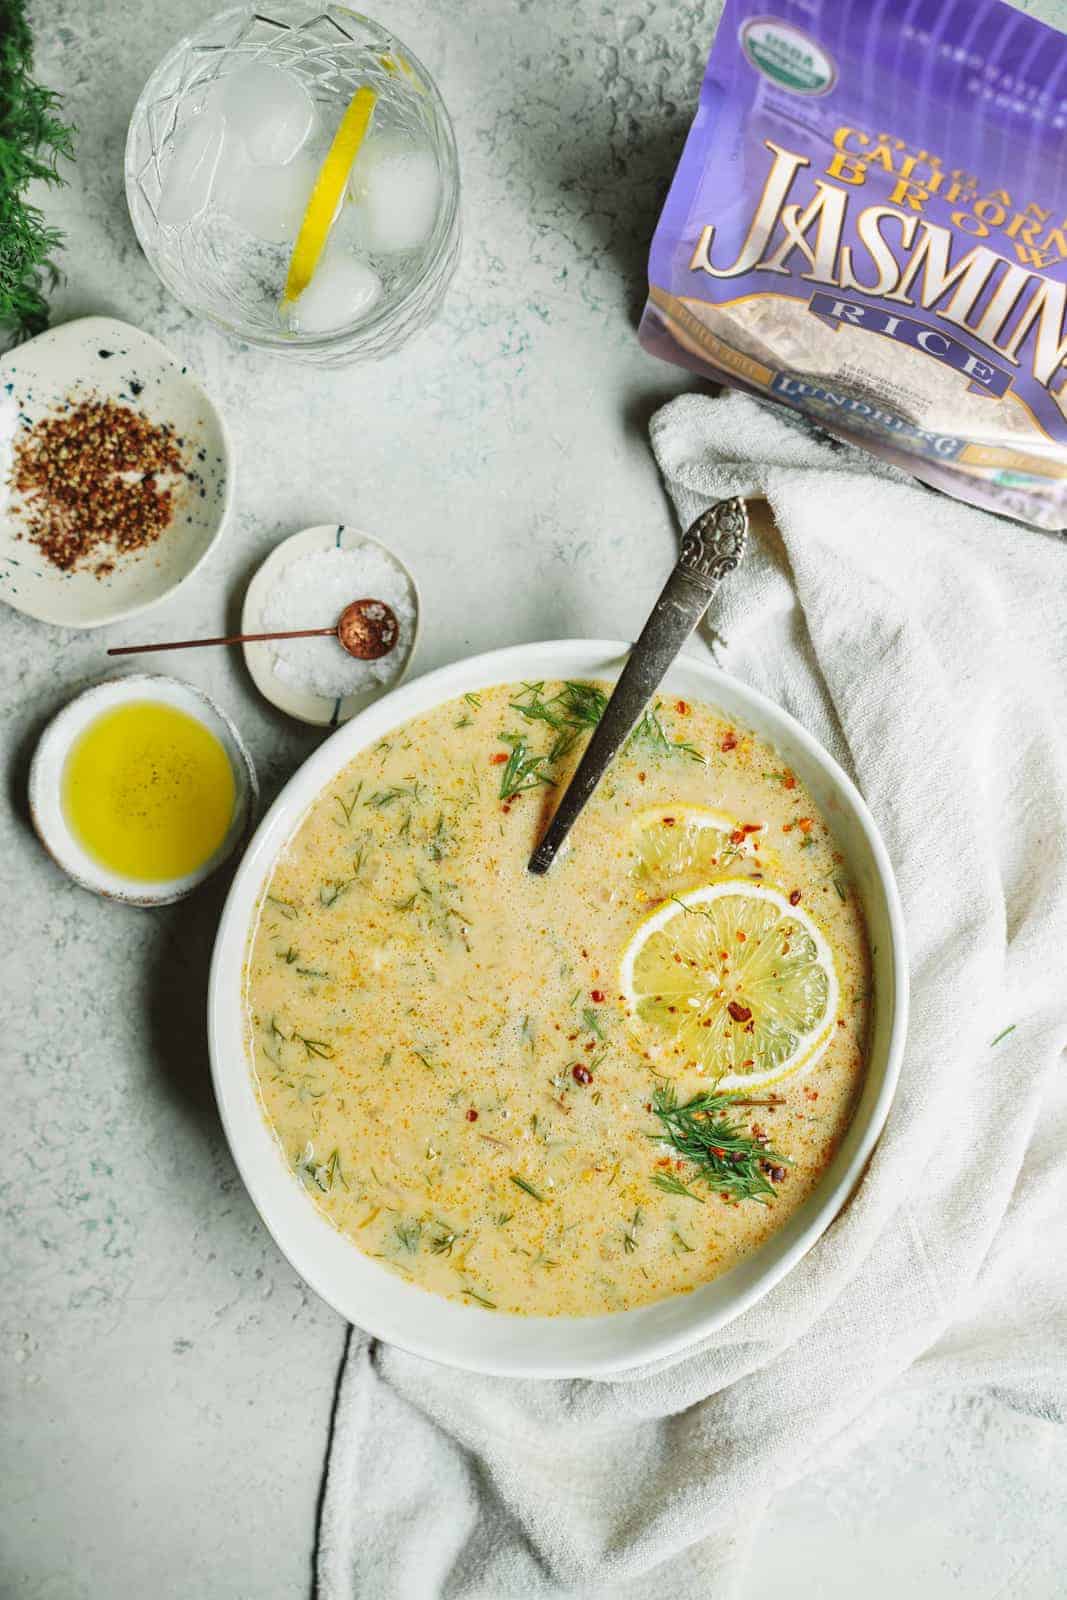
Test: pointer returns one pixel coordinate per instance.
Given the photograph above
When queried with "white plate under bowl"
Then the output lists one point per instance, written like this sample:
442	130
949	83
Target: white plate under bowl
301	703
490	1341
46	786
97	356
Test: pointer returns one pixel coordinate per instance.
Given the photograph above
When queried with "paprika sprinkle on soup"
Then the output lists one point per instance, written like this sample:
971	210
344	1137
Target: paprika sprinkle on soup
97	481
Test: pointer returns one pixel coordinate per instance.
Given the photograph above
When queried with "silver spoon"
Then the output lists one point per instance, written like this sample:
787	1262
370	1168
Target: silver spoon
711	548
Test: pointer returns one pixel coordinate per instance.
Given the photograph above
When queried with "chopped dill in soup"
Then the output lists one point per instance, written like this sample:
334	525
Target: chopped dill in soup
570	1094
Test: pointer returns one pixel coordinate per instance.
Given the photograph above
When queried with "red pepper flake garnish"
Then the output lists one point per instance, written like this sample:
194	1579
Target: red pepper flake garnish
472	1115
804	824
790	782
581	1073
499	759
751	827
97	479
739	1012
787	827
729	741
682	707
738	836
668	822
794	898
810	1094
598	996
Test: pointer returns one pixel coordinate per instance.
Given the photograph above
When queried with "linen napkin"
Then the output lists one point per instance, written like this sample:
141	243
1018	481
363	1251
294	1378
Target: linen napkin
925	644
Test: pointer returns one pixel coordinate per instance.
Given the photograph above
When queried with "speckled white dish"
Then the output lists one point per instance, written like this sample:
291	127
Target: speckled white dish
109	359
46	781
308	707
490	1341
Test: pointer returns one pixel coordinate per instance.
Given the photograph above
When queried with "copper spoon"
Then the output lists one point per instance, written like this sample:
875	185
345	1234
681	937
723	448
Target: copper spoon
367	629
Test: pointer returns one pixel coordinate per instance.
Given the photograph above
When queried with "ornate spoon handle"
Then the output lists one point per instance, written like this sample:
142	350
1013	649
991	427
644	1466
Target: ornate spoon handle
711	548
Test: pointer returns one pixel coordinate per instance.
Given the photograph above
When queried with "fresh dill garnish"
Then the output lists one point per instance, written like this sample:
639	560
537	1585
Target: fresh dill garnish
442	1239
523	769
409	1234
502	1218
629	1233
592	1022
1003	1034
331	892
527	1188
289	956
315	1047
286	909
729	1161
672	1185
473	1294
841	885
474	700
323	1174
312	972
348	809
441	842
463	722
409	903
427	1063
650	731
386	797
32	140
577	706
682	1244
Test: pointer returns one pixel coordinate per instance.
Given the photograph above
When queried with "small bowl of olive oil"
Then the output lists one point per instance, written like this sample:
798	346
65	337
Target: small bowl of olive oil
141	788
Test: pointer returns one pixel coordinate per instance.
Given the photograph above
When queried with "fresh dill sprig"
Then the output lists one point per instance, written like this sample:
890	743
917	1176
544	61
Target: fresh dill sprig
527	1188
650	731
409	1234
629	1233
672	1185
314	1047
523	769
386	797
32	141
284	906
592	1022
1003	1034
729	1160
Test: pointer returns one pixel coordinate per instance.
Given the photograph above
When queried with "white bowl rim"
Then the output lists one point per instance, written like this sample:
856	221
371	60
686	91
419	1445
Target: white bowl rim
430	1326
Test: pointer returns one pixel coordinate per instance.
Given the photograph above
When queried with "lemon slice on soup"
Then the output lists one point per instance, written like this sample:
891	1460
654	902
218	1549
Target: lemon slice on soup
731	982
674	843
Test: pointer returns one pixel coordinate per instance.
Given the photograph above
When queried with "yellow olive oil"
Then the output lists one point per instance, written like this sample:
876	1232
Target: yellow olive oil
148	791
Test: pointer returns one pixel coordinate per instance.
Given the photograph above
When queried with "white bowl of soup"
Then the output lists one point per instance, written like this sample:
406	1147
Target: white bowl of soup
557	1126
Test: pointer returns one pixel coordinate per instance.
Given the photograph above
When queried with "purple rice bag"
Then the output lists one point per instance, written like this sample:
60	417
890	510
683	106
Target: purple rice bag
867	224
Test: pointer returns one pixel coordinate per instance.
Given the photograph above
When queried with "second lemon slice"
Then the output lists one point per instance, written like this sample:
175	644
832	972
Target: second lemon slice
733	983
327	194
679	846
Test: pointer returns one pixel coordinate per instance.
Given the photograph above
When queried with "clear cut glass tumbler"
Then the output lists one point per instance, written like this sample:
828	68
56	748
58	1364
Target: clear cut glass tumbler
225	147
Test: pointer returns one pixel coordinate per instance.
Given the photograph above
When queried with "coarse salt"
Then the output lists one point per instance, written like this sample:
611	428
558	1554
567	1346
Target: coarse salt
311	592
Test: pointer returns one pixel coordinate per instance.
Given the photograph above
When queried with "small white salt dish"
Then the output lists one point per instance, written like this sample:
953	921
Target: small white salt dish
46	786
305	704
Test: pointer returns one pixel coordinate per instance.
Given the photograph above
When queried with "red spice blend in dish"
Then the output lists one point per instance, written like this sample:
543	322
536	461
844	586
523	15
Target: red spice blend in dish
89	474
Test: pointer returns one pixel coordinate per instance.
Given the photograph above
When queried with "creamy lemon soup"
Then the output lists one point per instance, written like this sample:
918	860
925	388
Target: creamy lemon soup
568	1094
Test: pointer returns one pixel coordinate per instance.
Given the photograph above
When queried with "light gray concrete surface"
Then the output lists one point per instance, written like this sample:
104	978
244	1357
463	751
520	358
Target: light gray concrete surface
168	1379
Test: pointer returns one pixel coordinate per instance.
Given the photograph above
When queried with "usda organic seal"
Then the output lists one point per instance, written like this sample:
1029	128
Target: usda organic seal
787	56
